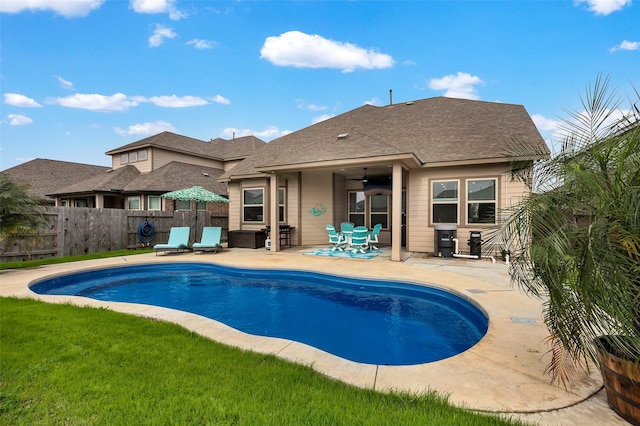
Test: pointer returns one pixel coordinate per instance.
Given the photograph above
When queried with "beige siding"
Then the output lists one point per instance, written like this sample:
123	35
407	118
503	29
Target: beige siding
420	229
317	192
235	205
162	157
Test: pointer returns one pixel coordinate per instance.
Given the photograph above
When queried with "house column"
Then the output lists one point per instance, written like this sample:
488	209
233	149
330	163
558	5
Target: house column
396	213
99	201
273	212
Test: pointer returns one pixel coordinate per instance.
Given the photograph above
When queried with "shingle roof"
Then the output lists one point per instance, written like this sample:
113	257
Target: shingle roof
219	149
48	176
111	180
435	130
176	175
171	176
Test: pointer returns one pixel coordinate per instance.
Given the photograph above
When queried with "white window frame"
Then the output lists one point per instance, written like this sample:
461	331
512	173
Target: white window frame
493	201
386	213
282	205
244	206
132	199
362	213
142	155
436	201
124	158
154	198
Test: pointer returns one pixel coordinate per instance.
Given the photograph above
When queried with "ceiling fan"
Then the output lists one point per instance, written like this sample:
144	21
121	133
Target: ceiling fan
364	178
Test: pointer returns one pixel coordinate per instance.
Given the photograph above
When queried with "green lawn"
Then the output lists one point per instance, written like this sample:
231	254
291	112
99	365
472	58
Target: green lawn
53	260
61	364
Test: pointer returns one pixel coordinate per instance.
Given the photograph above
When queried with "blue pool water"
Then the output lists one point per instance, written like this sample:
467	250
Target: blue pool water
368	321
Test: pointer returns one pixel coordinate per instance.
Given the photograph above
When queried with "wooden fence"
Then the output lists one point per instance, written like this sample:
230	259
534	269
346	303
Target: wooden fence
77	230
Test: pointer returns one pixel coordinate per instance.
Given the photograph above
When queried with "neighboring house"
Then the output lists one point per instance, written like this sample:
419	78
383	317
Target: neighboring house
143	170
48	176
410	166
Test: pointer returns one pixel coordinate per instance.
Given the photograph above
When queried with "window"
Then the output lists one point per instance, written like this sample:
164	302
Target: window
183	205
81	203
282	196
379	210
133	156
444	201
357	207
201	206
253	205
153	202
134	203
481	201
124	158
142	154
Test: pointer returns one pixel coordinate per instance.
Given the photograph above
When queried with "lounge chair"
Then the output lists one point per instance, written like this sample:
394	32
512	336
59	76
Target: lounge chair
178	240
210	239
373	236
359	239
338	240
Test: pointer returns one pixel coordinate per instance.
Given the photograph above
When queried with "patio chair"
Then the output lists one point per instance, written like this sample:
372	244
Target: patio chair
359	239
338	240
373	236
178	240
210	239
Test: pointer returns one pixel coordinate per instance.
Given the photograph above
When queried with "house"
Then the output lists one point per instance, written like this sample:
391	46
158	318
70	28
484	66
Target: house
143	170
48	176
411	166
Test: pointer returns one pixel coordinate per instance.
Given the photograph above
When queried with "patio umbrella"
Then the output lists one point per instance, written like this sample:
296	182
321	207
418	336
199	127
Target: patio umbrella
197	194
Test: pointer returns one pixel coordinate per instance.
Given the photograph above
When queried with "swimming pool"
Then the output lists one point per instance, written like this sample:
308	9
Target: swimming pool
367	321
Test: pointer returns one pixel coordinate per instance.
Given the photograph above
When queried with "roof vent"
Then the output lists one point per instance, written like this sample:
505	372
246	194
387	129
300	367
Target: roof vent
343	135
205	174
409	103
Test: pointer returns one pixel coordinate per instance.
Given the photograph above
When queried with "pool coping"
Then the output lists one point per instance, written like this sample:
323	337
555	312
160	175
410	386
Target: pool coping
503	373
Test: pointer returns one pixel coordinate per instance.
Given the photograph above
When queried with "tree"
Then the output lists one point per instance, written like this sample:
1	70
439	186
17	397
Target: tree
575	241
21	215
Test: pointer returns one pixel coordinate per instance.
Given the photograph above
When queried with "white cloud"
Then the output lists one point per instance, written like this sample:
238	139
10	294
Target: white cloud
461	85
95	102
301	50
174	101
19	119
311	107
271	132
322	117
66	8
67	85
148	128
159	34
202	44
19	100
604	7
545	124
626	45
157	6
219	99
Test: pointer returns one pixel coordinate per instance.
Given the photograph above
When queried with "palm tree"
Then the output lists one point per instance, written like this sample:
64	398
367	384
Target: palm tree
575	240
21	215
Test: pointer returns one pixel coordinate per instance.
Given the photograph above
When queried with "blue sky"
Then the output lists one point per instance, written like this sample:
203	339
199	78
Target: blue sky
81	77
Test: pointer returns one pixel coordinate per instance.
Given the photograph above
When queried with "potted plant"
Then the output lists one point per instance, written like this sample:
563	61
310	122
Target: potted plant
574	242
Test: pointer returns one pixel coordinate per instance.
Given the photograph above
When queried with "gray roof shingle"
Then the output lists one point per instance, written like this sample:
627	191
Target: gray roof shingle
435	130
218	149
48	176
